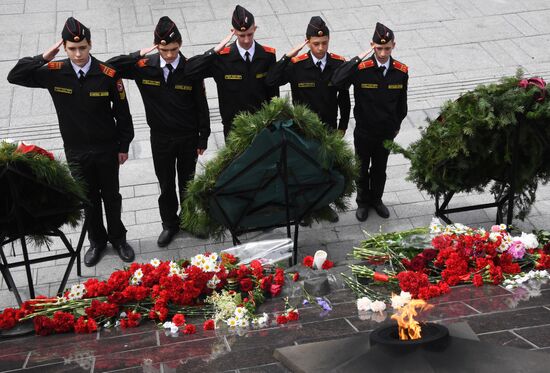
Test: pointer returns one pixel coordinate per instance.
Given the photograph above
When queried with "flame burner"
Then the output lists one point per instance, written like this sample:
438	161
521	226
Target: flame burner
387	337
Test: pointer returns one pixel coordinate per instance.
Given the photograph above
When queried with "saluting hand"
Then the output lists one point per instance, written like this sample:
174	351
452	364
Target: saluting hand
145	51
296	49
224	42
365	54
52	51
200	151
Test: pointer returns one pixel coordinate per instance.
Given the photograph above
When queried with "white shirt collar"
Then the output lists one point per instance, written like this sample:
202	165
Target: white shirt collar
174	64
387	64
323	60
242	51
84	68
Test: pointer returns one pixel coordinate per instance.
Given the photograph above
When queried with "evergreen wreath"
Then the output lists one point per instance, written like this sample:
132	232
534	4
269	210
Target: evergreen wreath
50	195
471	143
195	216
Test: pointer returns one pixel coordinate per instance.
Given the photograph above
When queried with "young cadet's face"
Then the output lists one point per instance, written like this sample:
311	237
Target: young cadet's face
383	51
246	38
78	53
318	45
169	52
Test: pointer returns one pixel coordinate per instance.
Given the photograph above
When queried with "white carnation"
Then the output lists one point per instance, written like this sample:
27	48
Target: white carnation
364	304
378	306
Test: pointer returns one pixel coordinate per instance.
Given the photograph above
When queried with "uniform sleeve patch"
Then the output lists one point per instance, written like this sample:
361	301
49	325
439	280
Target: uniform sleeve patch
107	70
142	62
225	50
55	65
299	58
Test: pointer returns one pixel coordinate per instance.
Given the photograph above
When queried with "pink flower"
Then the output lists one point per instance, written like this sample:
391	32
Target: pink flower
517	249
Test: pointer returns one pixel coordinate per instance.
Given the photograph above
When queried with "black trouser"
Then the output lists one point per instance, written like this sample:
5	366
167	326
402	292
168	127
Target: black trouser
171	154
372	175
99	170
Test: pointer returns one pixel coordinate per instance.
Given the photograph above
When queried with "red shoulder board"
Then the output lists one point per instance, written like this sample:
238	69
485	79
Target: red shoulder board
365	64
55	65
142	62
400	66
225	50
299	58
107	70
269	49
337	57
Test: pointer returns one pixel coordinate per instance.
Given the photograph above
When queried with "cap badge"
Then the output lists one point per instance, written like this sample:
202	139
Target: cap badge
243	28
382	41
163	42
76	38
320	33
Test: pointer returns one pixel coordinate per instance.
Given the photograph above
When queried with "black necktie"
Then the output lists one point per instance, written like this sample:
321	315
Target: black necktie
320	65
247	58
81	76
383	69
170	69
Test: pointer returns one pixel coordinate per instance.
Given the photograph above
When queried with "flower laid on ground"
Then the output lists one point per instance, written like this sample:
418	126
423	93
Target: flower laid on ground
208	285
365	304
426	263
308	262
520	279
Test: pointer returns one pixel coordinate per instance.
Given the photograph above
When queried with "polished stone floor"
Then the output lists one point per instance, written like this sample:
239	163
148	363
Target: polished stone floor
515	318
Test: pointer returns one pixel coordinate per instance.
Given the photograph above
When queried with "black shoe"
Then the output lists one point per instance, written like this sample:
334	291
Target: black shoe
362	213
166	236
333	216
125	251
93	255
381	210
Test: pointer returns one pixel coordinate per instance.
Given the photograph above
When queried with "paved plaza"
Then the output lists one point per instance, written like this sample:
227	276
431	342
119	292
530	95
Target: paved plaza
450	46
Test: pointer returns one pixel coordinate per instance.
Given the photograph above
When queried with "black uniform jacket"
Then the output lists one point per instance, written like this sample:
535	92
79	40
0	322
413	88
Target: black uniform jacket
312	87
87	121
380	101
240	87
177	108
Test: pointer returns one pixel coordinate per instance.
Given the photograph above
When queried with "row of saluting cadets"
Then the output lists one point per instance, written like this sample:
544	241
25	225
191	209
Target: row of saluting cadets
96	125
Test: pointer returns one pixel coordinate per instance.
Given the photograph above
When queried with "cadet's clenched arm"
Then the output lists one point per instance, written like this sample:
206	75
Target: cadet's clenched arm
344	104
199	93
402	104
29	72
121	113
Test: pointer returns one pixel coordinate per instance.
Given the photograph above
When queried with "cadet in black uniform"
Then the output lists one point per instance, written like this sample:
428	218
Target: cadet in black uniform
239	69
309	75
177	113
96	135
380	89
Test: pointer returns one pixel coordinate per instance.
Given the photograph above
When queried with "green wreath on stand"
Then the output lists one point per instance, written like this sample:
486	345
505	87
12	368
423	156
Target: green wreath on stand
470	145
37	188
331	151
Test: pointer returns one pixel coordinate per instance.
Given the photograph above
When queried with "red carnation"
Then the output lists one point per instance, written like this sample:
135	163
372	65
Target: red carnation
189	329
43	325
292	316
209	325
22	148
282	319
275	290
246	284
295	276
85	325
328	264
178	319
477	280
7	319
308	261
63	322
